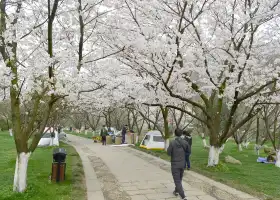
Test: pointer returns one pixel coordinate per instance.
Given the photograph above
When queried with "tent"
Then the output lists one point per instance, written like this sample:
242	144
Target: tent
47	140
153	140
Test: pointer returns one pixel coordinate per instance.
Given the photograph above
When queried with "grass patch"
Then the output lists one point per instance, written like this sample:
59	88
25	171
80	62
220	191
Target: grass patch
39	171
88	136
251	177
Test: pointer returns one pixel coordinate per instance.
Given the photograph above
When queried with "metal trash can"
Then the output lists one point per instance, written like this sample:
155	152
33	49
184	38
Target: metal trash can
58	165
108	139
118	140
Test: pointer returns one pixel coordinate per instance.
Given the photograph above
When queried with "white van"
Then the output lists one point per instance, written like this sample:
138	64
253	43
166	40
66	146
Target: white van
153	140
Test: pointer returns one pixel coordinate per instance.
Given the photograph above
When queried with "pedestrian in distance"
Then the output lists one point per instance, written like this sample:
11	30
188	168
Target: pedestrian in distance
188	138
177	150
124	131
103	135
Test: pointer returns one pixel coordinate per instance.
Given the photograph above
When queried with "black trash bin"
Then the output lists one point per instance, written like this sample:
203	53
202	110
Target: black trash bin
59	165
59	155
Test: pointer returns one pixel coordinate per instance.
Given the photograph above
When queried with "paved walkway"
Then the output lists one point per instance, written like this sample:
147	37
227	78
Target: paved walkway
122	173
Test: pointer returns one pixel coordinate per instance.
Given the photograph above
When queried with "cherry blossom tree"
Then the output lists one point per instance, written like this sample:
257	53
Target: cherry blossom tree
14	51
261	137
42	62
213	55
93	120
182	120
5	113
270	117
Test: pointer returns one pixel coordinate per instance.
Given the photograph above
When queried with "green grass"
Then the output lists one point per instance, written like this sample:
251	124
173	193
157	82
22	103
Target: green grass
39	171
251	177
89	135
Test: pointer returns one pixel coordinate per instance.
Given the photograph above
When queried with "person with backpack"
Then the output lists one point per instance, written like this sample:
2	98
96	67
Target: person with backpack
187	136
103	135
177	150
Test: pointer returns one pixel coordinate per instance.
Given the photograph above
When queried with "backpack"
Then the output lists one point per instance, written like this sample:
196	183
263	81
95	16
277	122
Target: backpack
187	150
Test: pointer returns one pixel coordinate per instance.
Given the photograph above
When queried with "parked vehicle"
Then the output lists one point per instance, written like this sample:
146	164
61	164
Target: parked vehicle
153	140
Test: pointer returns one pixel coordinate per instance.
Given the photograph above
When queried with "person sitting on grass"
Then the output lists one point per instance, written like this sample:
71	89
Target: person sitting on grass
187	136
177	150
103	135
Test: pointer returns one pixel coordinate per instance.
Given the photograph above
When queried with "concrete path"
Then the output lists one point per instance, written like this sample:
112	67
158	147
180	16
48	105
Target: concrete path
122	173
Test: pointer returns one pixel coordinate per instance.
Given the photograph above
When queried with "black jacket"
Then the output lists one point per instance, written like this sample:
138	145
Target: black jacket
124	130
189	141
177	150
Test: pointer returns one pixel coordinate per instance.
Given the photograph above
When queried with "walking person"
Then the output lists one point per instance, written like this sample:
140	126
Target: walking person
124	131
187	136
103	135
177	150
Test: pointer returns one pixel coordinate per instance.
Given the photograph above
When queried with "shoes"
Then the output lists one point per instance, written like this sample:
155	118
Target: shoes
175	193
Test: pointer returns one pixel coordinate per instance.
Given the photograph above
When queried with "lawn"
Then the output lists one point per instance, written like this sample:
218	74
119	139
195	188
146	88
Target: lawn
251	177
89	134
39	170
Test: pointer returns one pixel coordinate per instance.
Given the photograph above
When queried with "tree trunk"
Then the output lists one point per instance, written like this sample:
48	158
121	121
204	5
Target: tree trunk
239	147
277	164
257	149
166	143
21	172
8	125
137	139
214	155
82	128
11	132
204	143
166	127
221	149
246	144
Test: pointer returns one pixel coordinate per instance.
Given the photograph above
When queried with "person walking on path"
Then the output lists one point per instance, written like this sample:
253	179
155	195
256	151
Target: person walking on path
177	150
187	136
124	131
103	135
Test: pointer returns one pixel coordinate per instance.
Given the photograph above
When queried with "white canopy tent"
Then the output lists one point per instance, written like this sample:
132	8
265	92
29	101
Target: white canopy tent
153	140
47	140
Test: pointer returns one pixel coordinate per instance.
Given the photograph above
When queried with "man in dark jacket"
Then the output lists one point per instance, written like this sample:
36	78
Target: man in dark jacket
124	130
187	136
103	135
177	150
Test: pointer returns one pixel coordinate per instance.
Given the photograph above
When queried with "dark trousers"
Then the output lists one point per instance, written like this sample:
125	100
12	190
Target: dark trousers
177	174
103	140
123	138
188	163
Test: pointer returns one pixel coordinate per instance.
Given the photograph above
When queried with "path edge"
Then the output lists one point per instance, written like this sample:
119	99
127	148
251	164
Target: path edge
93	186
